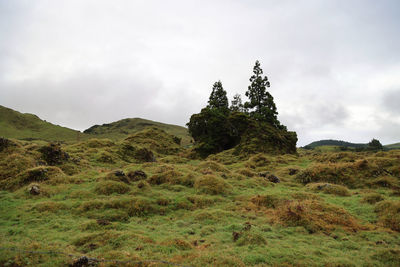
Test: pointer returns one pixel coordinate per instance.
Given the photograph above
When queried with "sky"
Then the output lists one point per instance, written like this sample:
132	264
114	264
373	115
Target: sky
334	66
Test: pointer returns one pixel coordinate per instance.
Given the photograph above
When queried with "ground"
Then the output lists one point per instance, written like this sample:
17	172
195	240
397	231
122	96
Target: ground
329	208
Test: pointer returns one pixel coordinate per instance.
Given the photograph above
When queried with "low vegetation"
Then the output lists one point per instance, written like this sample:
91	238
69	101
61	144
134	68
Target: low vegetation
88	198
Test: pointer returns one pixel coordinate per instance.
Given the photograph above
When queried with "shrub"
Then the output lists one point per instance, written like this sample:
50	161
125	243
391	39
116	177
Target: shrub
111	187
212	184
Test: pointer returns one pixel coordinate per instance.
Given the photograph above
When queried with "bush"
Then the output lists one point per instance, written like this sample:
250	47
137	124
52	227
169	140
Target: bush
212	184
111	187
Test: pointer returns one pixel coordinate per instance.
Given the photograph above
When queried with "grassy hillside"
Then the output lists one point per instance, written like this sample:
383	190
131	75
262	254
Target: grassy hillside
144	198
14	124
331	142
122	128
393	146
24	126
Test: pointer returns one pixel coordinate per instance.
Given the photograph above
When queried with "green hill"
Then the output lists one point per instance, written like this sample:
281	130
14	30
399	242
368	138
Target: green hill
14	124
393	146
122	128
331	142
25	126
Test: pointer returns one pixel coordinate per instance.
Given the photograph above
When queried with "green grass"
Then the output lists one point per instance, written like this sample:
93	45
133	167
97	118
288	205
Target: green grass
122	128
14	124
24	126
187	211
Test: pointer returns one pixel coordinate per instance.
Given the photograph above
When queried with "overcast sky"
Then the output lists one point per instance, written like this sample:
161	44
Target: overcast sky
334	66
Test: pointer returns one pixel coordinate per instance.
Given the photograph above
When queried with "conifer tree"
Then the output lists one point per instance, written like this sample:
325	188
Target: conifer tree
261	103
218	99
236	103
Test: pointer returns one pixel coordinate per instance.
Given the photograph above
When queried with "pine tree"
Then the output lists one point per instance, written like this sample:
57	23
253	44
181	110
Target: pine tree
261	105
236	103
218	99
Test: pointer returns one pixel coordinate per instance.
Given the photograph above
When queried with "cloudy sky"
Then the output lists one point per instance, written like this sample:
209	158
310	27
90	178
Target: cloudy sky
334	66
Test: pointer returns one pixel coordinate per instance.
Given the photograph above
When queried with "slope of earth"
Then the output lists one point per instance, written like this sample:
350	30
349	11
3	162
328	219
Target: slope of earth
393	146
334	143
122	128
14	124
141	199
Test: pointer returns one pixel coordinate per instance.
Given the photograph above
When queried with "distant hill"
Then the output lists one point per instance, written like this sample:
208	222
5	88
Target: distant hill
25	126
393	146
331	142
338	143
122	128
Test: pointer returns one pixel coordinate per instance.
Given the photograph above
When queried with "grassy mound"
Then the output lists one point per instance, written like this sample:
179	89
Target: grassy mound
316	216
36	174
212	184
263	138
155	140
326	188
389	214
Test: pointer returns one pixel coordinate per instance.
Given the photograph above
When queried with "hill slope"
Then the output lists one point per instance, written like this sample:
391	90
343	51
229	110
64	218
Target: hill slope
393	146
123	128
14	124
331	142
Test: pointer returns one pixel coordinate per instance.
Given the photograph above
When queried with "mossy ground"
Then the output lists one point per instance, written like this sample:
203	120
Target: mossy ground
213	212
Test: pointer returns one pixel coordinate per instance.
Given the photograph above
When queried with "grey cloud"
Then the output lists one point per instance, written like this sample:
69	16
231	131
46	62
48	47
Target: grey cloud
78	63
391	102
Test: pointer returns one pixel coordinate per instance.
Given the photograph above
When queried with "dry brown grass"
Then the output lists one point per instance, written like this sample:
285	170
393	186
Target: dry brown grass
316	216
389	214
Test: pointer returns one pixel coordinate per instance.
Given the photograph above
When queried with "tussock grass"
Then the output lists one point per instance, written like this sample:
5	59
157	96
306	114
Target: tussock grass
372	198
111	187
189	210
212	184
316	216
389	214
327	188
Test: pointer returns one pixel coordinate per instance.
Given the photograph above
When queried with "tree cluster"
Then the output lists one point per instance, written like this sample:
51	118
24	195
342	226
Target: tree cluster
219	126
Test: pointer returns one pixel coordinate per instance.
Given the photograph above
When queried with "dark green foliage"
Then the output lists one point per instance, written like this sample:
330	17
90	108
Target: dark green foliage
261	103
331	142
236	104
217	128
263	137
218	99
375	145
210	130
4	143
53	154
